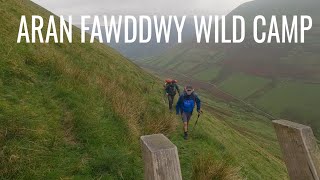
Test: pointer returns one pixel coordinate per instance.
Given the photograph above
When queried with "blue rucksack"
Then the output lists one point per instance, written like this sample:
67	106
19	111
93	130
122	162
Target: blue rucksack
189	103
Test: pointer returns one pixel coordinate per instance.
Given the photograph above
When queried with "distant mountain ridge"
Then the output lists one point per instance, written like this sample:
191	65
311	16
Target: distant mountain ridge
137	50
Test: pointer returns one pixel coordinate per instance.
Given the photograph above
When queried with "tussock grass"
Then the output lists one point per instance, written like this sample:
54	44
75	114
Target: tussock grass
204	167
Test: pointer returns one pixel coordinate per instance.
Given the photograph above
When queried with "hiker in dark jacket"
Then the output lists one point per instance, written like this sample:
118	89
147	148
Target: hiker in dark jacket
185	106
171	89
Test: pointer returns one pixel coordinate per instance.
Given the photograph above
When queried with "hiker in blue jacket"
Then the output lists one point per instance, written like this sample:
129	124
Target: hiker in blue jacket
185	106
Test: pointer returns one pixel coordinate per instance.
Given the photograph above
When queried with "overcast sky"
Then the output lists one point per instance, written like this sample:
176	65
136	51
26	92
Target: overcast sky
139	7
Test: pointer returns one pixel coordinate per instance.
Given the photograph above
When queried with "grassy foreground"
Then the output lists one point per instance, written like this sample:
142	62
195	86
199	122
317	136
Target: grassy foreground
77	111
71	110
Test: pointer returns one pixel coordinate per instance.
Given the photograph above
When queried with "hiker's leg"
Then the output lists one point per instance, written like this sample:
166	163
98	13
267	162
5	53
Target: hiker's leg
185	122
170	99
188	116
185	126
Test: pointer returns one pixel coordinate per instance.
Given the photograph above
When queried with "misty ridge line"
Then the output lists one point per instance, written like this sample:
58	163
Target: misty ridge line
90	24
142	27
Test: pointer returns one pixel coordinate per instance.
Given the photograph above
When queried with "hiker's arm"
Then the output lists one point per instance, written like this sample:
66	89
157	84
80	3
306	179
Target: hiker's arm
198	101
178	106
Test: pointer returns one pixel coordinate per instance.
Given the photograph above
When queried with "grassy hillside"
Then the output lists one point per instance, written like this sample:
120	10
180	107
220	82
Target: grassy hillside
295	100
71	110
252	72
234	136
186	58
242	85
76	111
298	61
245	140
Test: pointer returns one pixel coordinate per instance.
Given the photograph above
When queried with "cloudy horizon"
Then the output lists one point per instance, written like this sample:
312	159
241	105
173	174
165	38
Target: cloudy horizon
140	7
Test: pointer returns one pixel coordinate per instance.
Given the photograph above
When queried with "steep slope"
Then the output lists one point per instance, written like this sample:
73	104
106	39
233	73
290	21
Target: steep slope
76	111
69	110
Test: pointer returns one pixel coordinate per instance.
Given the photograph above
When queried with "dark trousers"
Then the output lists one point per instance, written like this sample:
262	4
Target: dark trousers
170	99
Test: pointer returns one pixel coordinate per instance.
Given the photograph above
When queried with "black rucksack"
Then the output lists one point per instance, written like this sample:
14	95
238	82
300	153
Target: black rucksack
171	89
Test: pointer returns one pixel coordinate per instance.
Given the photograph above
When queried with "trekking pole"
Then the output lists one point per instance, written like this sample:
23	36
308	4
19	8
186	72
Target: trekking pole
196	122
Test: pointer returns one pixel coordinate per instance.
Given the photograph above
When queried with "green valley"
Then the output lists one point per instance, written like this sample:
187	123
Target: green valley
280	79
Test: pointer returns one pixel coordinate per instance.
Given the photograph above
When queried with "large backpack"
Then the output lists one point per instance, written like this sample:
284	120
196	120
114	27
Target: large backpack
171	89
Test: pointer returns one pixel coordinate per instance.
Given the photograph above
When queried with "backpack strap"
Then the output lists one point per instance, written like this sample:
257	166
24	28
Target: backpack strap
193	96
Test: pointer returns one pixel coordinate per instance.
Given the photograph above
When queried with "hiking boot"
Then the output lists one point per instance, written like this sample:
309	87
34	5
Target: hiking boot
185	135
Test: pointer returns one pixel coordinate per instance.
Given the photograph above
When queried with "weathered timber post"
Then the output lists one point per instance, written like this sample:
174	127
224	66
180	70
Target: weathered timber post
300	150
160	156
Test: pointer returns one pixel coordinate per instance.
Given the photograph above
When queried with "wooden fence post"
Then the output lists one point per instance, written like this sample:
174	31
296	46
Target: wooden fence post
160	156
300	150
